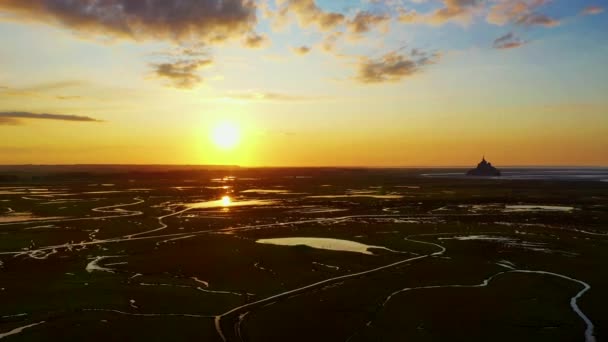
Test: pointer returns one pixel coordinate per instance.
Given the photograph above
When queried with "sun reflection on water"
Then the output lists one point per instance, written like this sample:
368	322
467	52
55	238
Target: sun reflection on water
226	201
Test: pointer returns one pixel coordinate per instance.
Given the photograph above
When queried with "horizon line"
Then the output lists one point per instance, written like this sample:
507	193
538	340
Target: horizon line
310	166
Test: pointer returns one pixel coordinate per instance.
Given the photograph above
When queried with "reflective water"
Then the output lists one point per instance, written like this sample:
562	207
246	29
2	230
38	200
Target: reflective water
27	192
317	210
21	217
228	203
321	243
505	241
564	174
507	208
264	191
527	208
358	195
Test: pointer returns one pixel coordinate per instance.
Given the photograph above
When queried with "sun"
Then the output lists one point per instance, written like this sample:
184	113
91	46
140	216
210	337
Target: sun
226	135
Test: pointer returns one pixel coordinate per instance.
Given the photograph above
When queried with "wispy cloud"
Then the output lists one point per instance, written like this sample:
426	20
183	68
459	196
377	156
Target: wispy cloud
456	10
8	121
537	19
460	11
255	41
269	96
592	10
497	12
15	118
182	74
330	41
508	41
393	67
41	88
522	12
73	97
301	50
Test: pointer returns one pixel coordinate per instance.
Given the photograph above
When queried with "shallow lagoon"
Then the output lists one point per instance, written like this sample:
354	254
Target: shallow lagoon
322	243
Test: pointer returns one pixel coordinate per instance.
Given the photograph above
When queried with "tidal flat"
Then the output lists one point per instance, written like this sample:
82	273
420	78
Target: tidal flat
304	255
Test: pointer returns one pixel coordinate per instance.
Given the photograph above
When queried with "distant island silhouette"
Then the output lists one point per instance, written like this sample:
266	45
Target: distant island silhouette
484	169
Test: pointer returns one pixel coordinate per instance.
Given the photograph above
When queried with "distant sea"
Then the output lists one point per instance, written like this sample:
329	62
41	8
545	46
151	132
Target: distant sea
599	174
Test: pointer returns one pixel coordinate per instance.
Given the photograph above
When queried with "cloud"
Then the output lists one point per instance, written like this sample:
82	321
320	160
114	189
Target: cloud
537	19
508	41
182	74
255	41
520	12
41	88
409	16
456	10
14	118
183	20
73	97
364	22
592	10
460	11
269	96
308	14
330	41
393	67
301	50
498	12
8	121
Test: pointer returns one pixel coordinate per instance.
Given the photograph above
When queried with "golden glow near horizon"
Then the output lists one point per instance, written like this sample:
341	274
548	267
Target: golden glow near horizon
226	135
226	201
284	87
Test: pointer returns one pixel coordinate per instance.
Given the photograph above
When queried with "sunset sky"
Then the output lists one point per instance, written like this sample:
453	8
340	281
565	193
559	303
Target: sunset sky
304	82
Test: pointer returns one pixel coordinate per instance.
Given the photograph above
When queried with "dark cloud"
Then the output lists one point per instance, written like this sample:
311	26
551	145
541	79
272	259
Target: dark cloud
508	41
201	20
393	67
14	118
182	74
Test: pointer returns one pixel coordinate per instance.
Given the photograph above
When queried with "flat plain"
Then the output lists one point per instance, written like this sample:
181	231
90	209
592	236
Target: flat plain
303	255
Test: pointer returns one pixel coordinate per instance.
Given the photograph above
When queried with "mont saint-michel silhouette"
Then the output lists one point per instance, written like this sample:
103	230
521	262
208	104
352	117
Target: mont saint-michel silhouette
484	169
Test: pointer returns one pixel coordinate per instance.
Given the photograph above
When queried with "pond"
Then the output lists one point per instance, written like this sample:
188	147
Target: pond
322	243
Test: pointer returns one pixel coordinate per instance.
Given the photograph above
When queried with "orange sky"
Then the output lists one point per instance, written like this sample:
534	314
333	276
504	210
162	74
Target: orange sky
305	83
